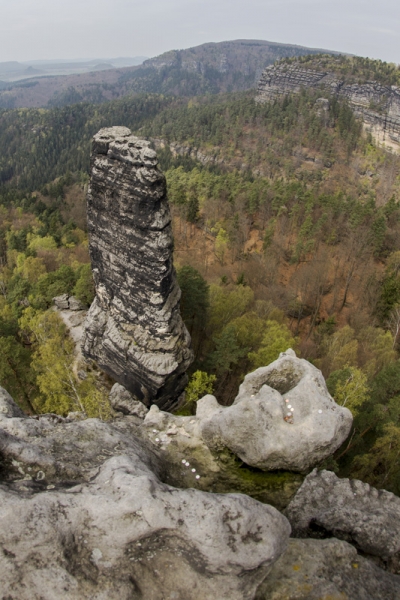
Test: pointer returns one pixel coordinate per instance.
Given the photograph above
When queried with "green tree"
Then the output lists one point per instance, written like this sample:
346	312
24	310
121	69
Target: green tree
54	363
84	288
15	373
349	387
277	338
227	351
195	297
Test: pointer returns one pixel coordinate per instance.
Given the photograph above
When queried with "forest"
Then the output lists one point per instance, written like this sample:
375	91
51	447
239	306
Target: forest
287	234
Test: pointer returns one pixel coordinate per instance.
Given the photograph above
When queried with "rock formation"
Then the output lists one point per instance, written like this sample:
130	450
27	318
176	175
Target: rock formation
376	104
351	510
85	515
124	402
282	418
133	329
327	570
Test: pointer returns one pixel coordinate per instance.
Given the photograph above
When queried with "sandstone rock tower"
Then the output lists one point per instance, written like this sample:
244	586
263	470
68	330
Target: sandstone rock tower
134	330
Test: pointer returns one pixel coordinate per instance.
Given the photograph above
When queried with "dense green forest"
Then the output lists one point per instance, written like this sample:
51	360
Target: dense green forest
287	233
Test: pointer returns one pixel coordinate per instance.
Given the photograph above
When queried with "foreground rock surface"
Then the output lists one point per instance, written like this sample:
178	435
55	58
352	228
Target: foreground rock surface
351	510
327	570
133	329
85	515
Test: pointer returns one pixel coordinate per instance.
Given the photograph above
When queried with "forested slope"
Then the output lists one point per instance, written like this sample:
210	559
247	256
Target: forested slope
287	230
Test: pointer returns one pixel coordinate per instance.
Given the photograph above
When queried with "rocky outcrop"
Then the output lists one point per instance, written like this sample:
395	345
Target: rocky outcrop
85	515
124	402
327	570
133	329
376	104
282	419
351	510
66	302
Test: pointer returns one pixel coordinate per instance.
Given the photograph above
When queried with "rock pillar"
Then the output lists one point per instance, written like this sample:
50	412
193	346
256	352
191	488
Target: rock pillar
133	329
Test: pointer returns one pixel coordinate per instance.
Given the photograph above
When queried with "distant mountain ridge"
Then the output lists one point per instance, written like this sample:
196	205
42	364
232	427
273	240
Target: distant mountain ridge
13	71
208	68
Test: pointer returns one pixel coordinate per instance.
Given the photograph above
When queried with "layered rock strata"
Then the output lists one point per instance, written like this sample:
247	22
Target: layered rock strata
376	104
133	329
349	509
85	515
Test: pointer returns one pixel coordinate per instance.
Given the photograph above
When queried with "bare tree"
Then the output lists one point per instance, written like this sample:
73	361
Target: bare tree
393	323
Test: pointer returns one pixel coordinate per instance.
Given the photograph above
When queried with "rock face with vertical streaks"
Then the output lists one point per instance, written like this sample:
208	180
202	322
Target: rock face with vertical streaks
133	329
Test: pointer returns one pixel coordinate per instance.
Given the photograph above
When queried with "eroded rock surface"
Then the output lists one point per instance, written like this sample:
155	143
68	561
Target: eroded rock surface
133	329
85	515
384	120
282	419
189	461
327	570
351	510
123	401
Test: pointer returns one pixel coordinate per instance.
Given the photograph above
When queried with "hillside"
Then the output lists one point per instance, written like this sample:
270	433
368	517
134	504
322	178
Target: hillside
209	68
287	228
371	87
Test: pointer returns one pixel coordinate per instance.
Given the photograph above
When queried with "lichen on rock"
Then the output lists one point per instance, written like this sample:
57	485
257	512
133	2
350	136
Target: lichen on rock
249	447
85	515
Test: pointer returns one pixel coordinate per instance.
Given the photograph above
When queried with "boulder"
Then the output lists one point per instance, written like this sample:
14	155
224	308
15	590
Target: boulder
66	302
351	510
190	461
133	329
282	418
123	401
327	570
85	515
8	408
253	446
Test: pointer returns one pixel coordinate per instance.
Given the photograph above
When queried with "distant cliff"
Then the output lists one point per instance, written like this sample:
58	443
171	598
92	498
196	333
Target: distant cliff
378	104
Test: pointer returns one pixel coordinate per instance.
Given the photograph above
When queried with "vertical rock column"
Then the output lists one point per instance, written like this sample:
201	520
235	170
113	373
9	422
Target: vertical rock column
133	329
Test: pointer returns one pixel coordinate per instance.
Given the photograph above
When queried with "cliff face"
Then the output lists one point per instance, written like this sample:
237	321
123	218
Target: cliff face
133	329
376	104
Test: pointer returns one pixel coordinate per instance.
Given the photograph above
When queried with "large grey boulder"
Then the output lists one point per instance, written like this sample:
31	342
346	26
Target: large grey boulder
8	408
282	418
351	510
190	461
134	330
85	515
253	446
327	570
66	302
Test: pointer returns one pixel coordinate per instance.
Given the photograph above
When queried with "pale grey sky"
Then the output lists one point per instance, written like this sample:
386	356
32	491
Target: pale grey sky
49	29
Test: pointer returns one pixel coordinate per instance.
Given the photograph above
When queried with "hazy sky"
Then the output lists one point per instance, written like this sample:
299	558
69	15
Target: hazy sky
48	29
